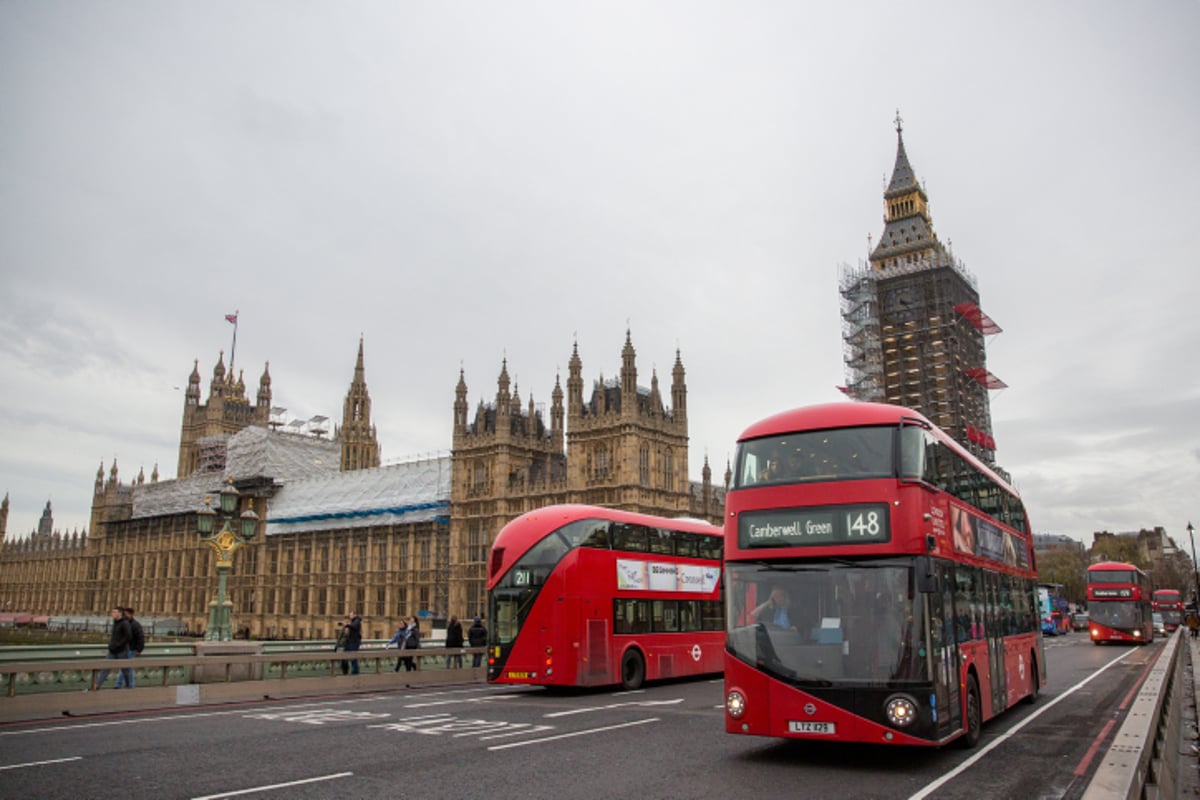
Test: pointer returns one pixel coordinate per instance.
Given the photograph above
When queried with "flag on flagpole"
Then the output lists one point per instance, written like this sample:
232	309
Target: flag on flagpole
231	318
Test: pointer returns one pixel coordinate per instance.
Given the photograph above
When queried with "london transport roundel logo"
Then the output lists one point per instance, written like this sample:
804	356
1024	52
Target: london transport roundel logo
695	652
810	709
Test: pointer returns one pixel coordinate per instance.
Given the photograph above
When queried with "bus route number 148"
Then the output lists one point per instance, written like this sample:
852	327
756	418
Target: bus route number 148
863	525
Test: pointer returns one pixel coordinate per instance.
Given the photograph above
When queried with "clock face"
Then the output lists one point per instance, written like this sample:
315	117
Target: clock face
903	300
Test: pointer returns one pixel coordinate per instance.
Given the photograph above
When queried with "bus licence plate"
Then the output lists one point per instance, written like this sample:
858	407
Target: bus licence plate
827	728
512	674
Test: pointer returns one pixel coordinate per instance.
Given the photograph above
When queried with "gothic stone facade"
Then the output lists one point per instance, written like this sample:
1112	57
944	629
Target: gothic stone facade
624	447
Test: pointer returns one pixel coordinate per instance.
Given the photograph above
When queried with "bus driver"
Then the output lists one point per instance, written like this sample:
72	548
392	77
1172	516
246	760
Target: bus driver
775	610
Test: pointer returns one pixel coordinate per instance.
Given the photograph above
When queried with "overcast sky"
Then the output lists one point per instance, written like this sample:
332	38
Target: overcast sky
464	182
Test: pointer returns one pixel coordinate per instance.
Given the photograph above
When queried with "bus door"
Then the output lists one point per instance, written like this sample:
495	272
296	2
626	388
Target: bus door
995	638
943	653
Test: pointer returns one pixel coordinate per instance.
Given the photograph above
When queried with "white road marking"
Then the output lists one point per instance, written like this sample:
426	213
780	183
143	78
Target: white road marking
272	786
638	703
40	763
573	733
1008	733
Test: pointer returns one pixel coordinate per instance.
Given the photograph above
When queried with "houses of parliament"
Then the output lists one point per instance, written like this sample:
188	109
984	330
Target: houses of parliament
337	531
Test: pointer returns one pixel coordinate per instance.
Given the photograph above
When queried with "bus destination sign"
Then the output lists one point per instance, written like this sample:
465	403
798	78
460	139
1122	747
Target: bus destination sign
810	527
1112	593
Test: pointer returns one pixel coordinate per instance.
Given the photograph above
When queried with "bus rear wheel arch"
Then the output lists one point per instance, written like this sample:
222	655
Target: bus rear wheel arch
1034	681
633	670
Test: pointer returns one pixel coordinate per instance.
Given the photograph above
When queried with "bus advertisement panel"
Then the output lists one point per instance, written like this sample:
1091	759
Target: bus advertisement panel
1169	603
588	596
1119	604
880	582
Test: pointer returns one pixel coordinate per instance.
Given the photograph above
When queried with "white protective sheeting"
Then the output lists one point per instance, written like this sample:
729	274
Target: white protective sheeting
250	453
417	491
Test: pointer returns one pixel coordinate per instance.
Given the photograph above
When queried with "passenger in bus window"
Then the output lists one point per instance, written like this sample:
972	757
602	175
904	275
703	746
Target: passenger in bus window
774	611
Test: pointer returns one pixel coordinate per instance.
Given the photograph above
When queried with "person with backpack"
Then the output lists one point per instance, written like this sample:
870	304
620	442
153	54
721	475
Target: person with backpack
119	638
477	637
137	643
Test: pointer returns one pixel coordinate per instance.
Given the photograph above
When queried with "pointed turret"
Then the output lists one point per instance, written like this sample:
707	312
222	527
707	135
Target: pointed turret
192	396
217	387
575	381
629	406
460	403
264	389
360	448
556	415
4	518
678	390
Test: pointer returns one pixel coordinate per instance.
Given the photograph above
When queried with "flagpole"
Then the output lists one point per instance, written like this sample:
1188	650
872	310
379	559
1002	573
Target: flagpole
233	349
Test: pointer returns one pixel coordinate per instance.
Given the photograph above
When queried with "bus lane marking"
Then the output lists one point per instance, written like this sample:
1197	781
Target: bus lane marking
970	762
445	724
40	763
636	704
574	733
318	716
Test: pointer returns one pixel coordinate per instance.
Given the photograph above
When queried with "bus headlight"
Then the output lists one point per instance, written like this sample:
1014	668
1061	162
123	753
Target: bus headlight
735	704
901	710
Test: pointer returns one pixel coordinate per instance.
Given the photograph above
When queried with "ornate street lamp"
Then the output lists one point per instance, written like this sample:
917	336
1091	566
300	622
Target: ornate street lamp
225	543
1195	574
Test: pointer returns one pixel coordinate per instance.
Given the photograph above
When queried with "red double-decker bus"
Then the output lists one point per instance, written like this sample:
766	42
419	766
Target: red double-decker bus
1169	603
588	596
880	582
1119	603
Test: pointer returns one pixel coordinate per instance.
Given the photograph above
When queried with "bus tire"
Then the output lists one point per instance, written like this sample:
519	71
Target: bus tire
633	670
1032	697
974	715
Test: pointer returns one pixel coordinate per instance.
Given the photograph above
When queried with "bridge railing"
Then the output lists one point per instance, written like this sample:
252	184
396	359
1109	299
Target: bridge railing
1143	760
37	690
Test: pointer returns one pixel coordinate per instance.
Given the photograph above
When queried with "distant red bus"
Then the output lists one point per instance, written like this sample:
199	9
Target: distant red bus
588	596
1119	604
1169	603
880	582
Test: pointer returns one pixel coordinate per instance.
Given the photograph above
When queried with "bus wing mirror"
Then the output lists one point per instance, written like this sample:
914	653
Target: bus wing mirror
927	582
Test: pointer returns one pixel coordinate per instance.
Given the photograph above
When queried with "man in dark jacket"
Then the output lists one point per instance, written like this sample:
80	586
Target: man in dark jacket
454	638
137	643
119	638
353	641
477	637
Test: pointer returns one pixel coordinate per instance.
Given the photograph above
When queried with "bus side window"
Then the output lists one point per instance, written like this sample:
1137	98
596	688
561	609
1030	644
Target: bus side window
630	537
662	541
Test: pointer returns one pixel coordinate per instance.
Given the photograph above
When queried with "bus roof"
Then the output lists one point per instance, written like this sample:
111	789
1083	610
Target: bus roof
522	533
1113	565
847	414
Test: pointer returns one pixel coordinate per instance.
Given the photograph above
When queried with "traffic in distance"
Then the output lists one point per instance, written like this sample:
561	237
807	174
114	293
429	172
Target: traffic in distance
588	596
880	582
1119	609
1168	603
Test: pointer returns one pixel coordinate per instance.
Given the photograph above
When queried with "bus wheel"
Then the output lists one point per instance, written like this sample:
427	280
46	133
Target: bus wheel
974	715
633	670
1032	697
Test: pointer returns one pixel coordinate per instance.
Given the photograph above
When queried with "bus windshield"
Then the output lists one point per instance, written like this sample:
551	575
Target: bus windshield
815	623
1117	613
842	453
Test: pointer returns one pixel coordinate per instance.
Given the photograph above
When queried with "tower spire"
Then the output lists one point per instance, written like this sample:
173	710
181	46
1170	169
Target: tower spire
360	448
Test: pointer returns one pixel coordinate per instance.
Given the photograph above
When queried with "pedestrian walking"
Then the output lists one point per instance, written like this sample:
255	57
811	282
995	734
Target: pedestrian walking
398	640
137	643
119	638
1193	622
352	636
454	638
477	637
